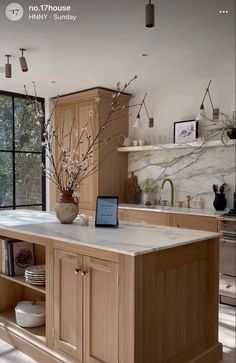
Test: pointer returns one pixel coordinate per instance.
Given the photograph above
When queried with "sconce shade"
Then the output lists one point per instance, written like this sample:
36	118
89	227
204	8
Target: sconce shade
23	63
137	122
150	15
8	72
201	114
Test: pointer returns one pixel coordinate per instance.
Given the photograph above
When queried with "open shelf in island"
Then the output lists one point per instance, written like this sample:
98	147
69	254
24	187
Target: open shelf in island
21	280
8	323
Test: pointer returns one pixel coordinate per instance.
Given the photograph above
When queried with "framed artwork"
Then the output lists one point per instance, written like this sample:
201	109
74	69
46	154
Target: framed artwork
185	131
107	211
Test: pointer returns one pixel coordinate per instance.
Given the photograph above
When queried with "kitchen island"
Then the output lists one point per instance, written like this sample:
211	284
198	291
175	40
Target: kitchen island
136	294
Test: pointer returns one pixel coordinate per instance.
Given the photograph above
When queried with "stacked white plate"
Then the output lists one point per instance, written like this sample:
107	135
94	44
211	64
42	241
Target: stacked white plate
35	275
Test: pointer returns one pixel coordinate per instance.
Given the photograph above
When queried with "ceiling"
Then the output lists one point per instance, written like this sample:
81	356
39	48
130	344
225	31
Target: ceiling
106	42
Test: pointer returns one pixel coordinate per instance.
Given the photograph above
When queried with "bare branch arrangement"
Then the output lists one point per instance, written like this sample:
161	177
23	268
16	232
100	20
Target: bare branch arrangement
71	166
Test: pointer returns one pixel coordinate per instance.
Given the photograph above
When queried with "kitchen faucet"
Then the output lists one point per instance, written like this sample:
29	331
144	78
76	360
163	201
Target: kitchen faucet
172	189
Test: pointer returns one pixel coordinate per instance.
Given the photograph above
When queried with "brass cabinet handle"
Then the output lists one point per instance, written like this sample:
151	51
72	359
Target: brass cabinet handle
77	270
83	272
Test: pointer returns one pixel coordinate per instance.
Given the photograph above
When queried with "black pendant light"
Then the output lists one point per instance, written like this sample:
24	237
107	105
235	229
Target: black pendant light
23	62
150	15
8	73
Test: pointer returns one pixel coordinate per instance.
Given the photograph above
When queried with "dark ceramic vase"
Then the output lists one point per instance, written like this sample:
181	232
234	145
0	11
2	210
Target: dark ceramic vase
232	134
220	201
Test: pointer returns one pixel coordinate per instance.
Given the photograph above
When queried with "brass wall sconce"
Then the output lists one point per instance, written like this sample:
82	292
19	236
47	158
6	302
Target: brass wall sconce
215	110
137	122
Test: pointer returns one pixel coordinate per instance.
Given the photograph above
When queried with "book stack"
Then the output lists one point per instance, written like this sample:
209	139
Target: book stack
16	256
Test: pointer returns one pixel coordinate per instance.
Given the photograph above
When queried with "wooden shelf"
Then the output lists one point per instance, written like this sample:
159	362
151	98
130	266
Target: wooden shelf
188	145
8	322
21	280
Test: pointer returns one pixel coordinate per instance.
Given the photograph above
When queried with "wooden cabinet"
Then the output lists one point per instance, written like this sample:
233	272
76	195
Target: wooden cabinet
144	216
108	307
187	221
67	304
193	222
85	308
112	172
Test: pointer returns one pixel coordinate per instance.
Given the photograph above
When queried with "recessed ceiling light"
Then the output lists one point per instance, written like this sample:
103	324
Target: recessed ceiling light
145	55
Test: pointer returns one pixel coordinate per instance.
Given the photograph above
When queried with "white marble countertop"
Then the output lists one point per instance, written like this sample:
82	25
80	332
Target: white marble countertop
177	210
130	238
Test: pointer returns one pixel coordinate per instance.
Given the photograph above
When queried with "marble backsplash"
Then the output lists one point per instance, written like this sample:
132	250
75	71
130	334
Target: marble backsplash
193	172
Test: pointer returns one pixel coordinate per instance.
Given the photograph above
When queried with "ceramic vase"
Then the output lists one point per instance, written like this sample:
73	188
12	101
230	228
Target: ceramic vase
220	201
67	208
232	134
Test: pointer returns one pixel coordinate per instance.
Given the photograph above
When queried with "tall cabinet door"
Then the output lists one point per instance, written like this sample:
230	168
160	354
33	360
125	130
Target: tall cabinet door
100	311
88	187
68	304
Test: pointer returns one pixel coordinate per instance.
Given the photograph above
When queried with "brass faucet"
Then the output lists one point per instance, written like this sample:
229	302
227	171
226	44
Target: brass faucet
172	189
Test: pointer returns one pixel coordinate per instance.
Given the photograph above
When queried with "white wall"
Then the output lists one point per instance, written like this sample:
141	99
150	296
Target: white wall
180	101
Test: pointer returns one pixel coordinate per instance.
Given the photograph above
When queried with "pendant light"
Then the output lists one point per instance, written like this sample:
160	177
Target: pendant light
8	73
23	62
150	15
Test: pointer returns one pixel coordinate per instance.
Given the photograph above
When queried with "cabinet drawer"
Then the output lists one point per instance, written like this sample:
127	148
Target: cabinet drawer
194	222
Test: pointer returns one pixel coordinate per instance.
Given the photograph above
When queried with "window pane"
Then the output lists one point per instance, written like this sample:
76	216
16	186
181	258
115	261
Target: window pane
28	179
5	122
34	207
27	125
6	190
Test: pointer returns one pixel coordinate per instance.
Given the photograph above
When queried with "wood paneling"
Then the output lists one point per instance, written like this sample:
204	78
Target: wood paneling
203	223
161	307
100	311
113	171
194	222
144	216
177	289
68	304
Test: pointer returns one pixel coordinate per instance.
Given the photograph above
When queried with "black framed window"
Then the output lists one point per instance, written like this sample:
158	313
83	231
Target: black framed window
22	184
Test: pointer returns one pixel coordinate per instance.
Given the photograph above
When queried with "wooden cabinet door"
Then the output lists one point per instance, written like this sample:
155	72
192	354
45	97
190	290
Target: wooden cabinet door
100	330
193	222
88	187
68	304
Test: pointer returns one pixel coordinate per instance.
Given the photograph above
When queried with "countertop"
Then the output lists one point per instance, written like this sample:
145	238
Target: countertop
177	210
130	238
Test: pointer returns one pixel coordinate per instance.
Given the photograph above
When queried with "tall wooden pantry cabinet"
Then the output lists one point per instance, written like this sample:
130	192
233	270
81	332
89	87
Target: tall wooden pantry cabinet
82	108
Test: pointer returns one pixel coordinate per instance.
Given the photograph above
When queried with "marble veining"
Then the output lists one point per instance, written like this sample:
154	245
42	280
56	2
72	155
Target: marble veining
130	238
192	171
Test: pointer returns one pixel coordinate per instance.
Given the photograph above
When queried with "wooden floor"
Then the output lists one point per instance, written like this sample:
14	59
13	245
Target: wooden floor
227	336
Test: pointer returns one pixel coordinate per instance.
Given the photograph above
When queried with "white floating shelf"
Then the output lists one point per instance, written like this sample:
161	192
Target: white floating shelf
193	144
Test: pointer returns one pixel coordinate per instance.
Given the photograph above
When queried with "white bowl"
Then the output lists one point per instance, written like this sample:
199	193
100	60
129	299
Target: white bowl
30	314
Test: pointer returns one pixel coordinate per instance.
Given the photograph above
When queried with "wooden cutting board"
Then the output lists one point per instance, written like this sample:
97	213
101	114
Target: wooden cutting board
132	190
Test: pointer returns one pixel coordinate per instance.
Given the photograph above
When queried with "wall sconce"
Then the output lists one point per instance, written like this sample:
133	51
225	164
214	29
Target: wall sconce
8	73
150	15
201	113
137	123
23	63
